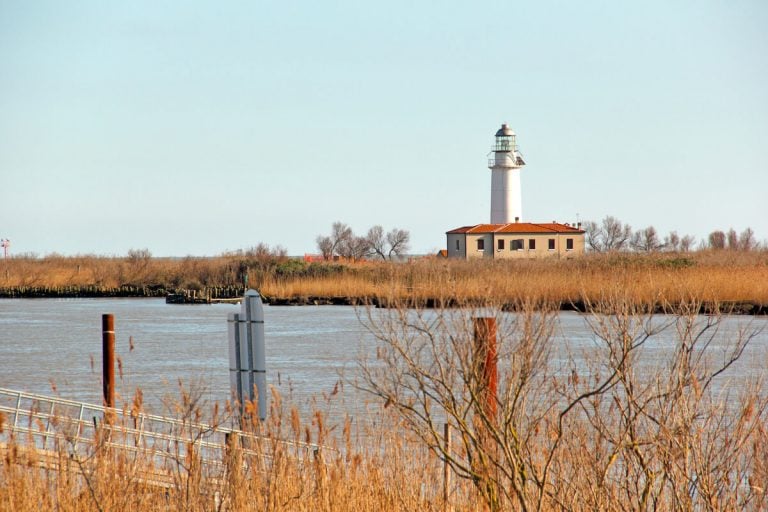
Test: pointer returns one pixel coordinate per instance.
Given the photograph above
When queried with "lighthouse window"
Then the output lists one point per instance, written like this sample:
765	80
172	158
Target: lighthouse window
551	244
458	246
500	244
532	244
481	245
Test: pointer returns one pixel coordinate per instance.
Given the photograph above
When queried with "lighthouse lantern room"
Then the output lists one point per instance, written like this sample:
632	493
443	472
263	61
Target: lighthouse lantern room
505	165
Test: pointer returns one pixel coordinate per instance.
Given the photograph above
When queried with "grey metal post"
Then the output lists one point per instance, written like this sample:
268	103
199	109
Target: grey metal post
235	382
247	352
254	320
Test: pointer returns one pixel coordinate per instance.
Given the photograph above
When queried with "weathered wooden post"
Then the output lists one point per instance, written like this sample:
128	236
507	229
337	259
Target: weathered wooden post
247	353
485	364
108	368
108	358
486	361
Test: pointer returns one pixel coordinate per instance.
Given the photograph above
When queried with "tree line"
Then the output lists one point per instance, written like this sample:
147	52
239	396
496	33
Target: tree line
344	243
613	235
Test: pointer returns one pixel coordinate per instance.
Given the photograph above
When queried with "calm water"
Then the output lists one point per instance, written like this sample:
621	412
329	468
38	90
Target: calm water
57	342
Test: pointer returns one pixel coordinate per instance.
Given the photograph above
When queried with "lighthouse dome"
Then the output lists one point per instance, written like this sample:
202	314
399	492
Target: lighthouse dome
505	131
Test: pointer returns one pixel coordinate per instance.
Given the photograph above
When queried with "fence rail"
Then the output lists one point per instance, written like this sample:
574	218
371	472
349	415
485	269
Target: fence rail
52	424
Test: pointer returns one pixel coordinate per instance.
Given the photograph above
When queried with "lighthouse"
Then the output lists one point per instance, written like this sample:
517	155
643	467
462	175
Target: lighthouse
505	164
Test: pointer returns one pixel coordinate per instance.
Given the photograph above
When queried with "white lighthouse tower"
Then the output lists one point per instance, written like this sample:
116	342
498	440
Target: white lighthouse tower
505	165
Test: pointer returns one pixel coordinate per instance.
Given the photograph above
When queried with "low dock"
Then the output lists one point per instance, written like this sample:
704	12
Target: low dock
226	295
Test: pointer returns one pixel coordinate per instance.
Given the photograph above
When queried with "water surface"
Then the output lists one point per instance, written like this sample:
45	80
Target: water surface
48	344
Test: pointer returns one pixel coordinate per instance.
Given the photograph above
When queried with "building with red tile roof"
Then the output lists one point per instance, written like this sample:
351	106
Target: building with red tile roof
515	240
506	237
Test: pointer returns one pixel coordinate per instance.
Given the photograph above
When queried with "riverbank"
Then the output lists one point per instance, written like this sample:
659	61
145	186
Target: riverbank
217	296
735	280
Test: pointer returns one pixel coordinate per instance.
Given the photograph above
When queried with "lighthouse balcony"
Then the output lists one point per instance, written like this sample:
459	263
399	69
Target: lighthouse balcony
506	160
509	161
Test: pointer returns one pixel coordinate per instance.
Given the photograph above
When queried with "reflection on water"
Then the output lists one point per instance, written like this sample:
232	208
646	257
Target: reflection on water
55	342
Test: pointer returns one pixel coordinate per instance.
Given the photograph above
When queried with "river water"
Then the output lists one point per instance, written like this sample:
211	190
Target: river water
52	346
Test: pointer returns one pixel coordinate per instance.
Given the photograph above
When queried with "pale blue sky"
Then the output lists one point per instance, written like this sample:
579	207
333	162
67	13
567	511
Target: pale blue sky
199	127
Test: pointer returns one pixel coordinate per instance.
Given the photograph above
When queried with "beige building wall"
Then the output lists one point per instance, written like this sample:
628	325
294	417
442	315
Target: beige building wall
465	245
540	243
457	245
472	245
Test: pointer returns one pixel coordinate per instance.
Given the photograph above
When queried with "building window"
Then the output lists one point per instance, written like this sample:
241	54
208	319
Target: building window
500	244
458	245
569	244
517	245
551	244
481	245
532	244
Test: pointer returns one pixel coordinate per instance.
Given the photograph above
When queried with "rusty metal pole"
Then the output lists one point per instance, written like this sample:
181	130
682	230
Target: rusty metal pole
486	365
108	358
485	351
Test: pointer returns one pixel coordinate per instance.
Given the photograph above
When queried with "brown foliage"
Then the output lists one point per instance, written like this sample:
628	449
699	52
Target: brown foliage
722	276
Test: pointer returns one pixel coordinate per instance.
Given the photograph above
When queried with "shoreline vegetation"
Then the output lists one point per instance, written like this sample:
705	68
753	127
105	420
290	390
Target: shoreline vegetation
735	281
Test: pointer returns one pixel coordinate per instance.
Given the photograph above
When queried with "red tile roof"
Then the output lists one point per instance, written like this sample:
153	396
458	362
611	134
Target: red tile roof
478	228
516	227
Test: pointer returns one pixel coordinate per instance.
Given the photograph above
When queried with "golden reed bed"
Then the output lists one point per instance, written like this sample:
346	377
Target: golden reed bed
712	276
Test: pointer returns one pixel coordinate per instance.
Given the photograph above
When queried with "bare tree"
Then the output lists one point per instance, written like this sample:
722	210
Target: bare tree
264	253
747	240
646	240
353	247
340	235
672	241
337	243
716	240
138	266
398	240
591	233
343	242
395	243
615	234
140	255
376	242
139	260
687	242
325	246
563	435
610	235
733	239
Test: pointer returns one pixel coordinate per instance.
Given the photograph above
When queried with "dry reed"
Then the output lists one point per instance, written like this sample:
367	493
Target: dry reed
712	276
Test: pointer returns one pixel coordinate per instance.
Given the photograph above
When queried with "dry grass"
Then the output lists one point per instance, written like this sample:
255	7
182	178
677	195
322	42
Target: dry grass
711	277
722	276
386	471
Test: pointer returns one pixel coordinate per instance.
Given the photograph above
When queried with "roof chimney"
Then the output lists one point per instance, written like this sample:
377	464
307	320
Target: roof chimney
517	219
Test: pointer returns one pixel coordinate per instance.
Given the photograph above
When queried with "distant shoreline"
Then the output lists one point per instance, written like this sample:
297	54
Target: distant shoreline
233	294
700	281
